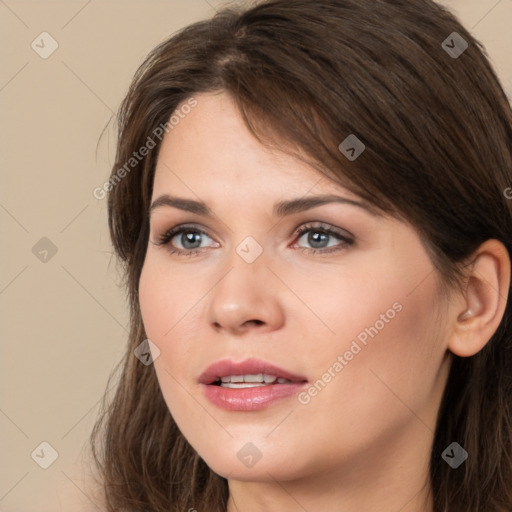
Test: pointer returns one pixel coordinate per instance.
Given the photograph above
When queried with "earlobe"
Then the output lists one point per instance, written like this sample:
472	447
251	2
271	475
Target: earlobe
485	299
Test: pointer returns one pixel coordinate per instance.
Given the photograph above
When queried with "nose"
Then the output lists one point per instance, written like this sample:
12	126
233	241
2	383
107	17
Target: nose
246	299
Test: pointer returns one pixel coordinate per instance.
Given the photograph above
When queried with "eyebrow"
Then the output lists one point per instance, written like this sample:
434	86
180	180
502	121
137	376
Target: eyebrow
281	208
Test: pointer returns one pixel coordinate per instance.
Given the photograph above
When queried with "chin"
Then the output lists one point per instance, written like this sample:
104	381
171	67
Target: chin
263	473
239	466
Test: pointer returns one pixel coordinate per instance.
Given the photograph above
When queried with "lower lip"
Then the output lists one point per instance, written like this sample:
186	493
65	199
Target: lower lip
250	399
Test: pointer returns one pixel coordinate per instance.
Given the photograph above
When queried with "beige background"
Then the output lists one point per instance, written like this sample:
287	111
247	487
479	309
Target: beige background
63	321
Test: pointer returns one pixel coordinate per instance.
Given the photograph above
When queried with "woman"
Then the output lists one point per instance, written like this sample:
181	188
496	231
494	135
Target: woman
309	202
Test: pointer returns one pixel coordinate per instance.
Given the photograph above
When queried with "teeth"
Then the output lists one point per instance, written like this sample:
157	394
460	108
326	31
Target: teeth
240	385
250	380
254	378
258	377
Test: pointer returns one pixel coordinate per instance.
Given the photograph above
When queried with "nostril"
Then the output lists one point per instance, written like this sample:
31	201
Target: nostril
218	326
256	322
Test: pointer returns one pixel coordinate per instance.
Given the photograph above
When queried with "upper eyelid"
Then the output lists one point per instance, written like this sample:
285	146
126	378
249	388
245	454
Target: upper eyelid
324	226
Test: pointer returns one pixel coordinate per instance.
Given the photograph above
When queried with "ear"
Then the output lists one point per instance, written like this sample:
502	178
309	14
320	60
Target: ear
481	308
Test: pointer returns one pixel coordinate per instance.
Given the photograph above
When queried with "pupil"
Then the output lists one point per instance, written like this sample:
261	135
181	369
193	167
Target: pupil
189	237
315	237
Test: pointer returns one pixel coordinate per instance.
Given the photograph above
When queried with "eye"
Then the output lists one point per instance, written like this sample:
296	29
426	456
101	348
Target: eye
318	236
190	237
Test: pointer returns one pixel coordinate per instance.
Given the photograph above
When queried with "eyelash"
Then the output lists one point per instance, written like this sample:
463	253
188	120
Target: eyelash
164	239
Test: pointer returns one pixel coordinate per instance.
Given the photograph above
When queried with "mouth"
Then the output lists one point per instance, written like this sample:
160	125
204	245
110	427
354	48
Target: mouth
249	381
248	385
247	373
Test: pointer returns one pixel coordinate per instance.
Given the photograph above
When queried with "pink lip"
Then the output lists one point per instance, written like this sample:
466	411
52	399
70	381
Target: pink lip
248	399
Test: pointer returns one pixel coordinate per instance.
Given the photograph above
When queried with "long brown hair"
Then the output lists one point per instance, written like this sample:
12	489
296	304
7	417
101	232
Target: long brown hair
437	128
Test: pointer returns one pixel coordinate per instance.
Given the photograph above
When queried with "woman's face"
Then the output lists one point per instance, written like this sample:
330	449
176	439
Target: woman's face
348	311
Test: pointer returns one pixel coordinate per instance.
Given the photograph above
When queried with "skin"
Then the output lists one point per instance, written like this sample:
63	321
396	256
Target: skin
364	441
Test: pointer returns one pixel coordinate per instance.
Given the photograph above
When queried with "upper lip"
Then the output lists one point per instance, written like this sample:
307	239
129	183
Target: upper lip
226	367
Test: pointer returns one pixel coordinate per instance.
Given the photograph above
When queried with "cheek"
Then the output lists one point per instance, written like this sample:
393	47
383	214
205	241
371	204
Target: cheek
391	347
369	396
152	300
171	316
163	305
383	321
166	300
365	302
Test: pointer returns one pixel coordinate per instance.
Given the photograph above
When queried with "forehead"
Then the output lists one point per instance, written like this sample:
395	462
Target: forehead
211	150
